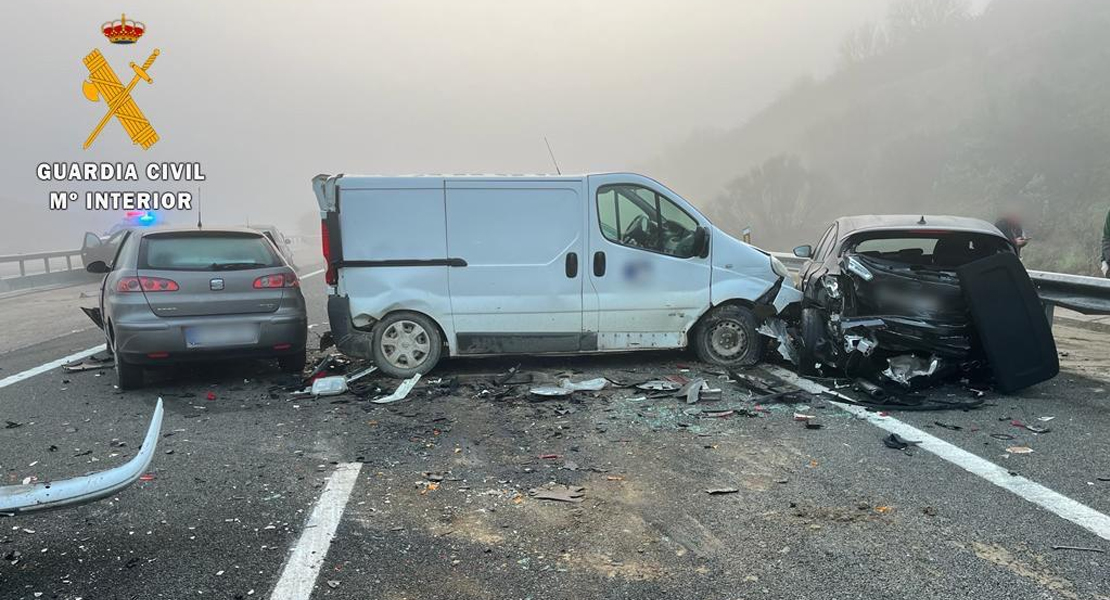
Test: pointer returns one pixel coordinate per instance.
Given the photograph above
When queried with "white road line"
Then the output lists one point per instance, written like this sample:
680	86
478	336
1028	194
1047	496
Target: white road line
5	382
54	364
1080	514
298	578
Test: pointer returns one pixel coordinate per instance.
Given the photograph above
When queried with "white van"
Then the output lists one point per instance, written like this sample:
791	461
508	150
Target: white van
535	264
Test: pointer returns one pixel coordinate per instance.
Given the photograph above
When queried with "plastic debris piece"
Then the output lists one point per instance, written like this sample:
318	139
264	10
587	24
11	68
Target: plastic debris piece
559	493
401	392
551	391
723	490
363	373
1019	450
901	369
659	385
776	328
898	442
592	385
210	395
329	386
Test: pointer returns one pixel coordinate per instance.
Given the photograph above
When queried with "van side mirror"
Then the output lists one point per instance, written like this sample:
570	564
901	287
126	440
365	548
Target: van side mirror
805	251
98	266
701	242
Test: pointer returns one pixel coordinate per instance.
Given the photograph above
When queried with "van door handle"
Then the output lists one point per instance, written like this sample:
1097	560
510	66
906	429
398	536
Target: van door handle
599	264
572	265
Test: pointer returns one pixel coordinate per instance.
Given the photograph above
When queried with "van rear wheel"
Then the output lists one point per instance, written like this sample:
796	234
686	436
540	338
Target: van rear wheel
406	343
727	336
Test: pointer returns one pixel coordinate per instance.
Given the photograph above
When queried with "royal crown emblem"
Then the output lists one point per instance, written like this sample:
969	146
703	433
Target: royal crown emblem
123	31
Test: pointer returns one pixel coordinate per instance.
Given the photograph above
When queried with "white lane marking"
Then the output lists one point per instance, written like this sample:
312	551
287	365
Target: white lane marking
303	567
5	382
1059	504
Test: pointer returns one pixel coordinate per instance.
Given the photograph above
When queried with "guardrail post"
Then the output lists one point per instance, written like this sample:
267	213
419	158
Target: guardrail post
69	262
22	269
46	263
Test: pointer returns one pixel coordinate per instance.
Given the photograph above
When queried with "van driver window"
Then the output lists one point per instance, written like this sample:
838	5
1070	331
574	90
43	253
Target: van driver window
638	217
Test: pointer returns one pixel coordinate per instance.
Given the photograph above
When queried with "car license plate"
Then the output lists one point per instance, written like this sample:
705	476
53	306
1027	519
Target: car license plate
209	336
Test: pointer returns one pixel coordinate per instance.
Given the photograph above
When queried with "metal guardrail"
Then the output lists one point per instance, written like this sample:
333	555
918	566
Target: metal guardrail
1086	295
45	257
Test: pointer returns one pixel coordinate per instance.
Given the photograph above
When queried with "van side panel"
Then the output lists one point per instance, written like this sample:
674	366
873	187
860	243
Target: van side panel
395	250
516	293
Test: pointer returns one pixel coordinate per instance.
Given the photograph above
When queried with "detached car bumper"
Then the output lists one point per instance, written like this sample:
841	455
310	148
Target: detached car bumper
160	340
18	499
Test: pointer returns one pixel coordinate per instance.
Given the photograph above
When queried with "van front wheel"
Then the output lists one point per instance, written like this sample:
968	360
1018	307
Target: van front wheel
727	336
406	343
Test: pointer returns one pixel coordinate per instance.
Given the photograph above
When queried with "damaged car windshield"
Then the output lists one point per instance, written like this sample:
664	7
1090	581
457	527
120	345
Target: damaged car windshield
944	250
215	251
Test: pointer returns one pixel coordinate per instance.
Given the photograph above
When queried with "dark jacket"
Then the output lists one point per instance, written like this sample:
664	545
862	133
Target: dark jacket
1013	230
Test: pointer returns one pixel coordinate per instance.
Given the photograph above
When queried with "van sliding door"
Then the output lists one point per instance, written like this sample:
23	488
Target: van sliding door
521	289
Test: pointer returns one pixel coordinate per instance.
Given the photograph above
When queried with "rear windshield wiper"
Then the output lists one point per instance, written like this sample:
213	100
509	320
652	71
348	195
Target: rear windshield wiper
234	265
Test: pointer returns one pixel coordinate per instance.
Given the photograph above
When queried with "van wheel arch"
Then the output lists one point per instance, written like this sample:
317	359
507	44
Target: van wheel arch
387	319
741	314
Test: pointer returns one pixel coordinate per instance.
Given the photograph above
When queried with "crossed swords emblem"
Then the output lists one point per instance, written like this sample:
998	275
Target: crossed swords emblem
103	84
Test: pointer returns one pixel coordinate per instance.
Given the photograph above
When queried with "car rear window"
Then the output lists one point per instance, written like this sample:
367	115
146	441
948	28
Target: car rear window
938	249
207	251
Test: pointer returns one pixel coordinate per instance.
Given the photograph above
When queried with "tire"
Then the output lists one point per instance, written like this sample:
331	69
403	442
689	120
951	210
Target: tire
293	363
128	376
813	333
406	343
727	336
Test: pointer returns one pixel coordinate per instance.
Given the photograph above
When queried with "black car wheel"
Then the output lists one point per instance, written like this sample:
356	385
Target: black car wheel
727	336
128	376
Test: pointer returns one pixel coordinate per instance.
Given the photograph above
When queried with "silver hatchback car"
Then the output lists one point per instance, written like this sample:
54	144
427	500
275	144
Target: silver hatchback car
174	295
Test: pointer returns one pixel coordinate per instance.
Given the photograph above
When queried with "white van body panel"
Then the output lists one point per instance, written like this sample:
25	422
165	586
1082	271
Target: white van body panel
516	237
488	259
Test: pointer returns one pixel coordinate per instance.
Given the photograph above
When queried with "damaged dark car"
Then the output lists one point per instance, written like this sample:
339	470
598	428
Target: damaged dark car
916	300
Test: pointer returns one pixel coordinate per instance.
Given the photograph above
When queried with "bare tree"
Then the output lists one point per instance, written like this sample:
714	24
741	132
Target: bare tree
862	44
909	18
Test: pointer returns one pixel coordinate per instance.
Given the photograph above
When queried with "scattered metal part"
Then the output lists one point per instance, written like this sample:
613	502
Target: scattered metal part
719	491
902	369
329	386
1079	548
659	385
401	392
898	442
559	493
775	328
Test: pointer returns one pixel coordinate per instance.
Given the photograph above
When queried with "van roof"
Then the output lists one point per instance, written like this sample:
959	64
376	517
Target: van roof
354	179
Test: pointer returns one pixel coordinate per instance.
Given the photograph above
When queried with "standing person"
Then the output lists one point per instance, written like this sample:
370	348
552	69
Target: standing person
1106	247
1011	227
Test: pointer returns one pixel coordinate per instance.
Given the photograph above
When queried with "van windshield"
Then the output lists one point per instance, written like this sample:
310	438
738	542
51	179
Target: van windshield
206	251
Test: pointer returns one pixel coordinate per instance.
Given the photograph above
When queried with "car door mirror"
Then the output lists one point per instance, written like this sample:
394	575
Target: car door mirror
805	251
91	240
701	242
98	266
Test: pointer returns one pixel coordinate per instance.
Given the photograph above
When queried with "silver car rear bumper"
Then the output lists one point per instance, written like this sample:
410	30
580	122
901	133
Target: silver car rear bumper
279	333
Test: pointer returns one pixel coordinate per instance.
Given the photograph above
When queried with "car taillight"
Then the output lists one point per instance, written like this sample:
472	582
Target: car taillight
331	275
277	280
146	284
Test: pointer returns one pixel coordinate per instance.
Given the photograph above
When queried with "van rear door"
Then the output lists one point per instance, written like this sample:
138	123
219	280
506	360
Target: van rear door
523	243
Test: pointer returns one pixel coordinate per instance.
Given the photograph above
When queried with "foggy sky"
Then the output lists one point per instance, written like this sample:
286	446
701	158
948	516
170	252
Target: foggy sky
266	94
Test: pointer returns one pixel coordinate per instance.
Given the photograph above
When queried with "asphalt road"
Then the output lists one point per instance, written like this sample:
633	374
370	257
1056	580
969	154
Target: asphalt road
440	507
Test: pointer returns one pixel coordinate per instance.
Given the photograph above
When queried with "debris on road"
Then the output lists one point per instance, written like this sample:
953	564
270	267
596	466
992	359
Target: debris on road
559	493
720	491
592	385
1019	450
329	386
898	442
1079	549
402	391
100	360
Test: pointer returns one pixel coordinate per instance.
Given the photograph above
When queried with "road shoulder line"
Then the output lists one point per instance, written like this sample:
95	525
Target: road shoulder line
1055	502
29	373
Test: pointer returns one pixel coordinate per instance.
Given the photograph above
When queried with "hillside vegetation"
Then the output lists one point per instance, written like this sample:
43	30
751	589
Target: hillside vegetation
932	111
